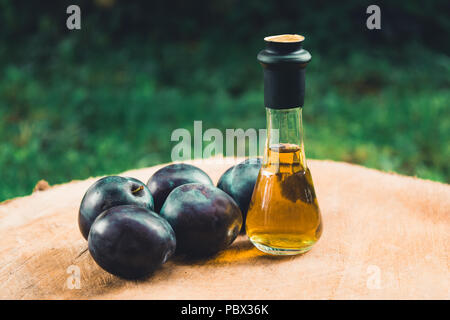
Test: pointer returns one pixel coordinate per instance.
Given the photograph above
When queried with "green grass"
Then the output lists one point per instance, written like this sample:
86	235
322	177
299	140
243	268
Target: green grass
73	115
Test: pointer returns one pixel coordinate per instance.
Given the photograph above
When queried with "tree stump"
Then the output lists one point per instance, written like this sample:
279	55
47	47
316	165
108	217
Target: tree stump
385	236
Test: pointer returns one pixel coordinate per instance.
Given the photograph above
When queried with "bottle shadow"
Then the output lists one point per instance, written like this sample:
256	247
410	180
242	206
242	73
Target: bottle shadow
242	251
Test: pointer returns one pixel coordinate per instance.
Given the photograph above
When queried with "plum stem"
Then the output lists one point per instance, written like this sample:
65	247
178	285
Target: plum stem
82	252
138	189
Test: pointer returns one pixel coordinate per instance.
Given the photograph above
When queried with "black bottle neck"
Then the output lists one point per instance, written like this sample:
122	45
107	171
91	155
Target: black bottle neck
284	61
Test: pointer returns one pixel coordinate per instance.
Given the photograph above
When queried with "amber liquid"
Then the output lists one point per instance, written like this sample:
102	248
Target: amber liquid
284	216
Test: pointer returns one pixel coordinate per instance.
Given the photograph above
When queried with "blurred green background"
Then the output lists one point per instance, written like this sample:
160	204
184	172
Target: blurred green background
106	98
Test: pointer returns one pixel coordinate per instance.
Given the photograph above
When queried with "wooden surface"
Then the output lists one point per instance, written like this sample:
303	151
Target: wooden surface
385	236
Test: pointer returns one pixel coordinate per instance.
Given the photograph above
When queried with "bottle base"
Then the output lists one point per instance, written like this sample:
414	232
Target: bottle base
280	251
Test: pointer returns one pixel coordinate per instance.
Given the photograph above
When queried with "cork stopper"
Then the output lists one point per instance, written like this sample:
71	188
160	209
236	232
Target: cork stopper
285	38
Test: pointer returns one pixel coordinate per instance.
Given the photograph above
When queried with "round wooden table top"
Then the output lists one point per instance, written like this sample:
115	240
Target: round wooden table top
385	236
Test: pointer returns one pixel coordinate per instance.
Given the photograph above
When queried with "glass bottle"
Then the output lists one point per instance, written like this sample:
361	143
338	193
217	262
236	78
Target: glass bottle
284	216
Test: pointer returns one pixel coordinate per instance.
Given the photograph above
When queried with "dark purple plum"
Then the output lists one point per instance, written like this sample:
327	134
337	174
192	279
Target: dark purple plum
130	241
205	219
110	192
168	178
239	182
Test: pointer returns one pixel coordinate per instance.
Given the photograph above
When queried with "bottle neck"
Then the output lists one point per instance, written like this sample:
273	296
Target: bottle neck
284	144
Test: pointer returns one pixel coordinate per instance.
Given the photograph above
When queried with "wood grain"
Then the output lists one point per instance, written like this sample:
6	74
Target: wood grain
385	237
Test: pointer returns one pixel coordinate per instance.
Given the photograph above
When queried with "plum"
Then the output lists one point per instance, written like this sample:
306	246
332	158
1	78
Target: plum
205	219
168	178
239	182
130	241
109	192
